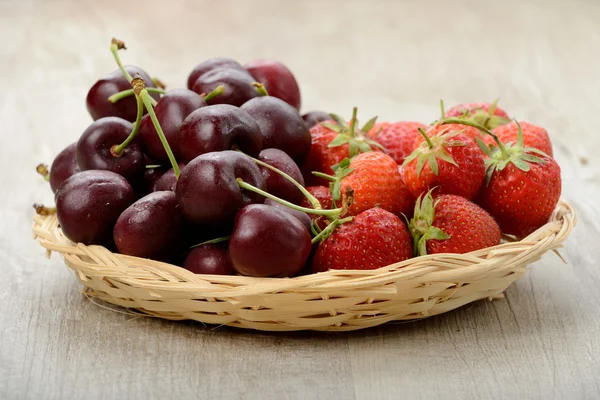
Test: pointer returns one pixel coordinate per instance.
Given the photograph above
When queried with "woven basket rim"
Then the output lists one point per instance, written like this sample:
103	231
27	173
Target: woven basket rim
559	226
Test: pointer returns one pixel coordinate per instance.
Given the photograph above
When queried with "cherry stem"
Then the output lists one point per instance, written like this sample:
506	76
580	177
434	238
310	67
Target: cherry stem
146	98
260	88
483	129
129	92
219	90
114	49
41	209
429	142
312	199
212	241
42	169
152	166
330	228
333	213
118	150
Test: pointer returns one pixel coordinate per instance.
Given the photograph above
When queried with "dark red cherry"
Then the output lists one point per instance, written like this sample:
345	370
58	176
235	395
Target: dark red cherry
301	216
63	166
89	203
150	227
209	259
209	65
281	126
312	118
171	111
97	98
238	86
151	175
277	185
216	128
267	241
167	181
207	189
94	149
278	80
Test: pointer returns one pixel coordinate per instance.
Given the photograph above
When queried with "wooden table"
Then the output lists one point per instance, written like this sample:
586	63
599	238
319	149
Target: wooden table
395	59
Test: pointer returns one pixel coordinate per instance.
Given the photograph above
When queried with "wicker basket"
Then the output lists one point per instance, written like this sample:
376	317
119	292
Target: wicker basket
328	301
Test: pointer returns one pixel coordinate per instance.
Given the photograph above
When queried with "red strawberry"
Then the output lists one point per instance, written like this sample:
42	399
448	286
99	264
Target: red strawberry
322	194
533	136
522	187
448	161
373	239
376	182
332	141
451	224
398	138
488	115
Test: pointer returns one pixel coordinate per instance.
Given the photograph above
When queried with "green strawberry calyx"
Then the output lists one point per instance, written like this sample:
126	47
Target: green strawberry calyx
499	155
340	170
480	116
434	148
347	133
421	225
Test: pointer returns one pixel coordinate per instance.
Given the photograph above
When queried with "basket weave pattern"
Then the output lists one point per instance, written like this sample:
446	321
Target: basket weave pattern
330	301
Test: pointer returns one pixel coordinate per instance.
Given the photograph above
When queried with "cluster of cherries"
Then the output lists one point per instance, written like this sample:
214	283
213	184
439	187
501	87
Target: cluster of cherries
182	175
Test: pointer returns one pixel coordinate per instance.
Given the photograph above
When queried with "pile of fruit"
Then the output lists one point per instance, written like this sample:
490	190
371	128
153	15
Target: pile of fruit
227	177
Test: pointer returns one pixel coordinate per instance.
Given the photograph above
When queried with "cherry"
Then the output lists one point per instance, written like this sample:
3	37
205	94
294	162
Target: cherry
207	189
171	111
277	185
97	101
281	126
210	259
166	181
89	203
237	84
268	242
301	216
209	65
278	80
218	127
150	227
312	118
63	166
96	149
151	175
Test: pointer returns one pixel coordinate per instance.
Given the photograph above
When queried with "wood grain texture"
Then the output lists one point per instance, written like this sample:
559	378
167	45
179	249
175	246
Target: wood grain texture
395	59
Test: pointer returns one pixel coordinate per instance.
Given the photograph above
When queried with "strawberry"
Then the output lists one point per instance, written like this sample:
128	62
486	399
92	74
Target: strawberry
331	142
322	194
372	239
451	224
375	181
488	115
533	136
447	161
398	138
523	186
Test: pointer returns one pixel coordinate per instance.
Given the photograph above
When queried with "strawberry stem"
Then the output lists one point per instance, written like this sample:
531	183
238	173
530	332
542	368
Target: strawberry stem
353	121
442	109
482	129
429	142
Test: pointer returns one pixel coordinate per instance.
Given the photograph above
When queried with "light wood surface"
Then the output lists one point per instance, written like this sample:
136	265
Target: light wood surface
395	59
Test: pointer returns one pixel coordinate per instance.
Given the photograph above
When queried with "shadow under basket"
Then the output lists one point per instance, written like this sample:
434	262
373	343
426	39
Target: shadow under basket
337	300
